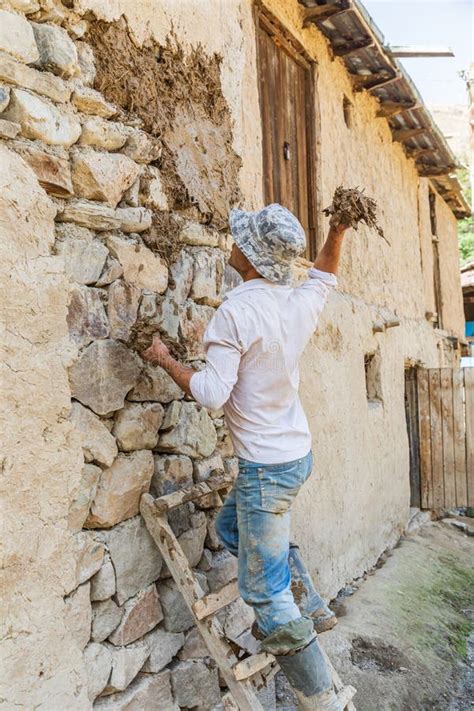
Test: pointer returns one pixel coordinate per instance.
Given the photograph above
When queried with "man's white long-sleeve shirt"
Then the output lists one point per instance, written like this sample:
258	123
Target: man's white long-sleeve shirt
253	345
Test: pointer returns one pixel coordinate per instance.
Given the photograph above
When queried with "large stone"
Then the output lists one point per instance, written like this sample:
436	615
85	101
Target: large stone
171	474
86	317
172	416
137	425
97	443
85	56
126	663
223	570
102	376
194	646
212	540
180	520
141	266
155	384
194	321
17	38
25	6
195	683
141	147
181	277
112	270
4	97
94	215
192	541
151	190
98	665
57	51
88	555
78	615
27	77
120	488
194	434
140	615
9	129
204	467
53	172
79	508
177	617
41	120
99	133
90	101
208	273
161	313
106	615
134	219
103	582
122	308
102	176
195	234
163	647
135	557
239	617
147	692
83	260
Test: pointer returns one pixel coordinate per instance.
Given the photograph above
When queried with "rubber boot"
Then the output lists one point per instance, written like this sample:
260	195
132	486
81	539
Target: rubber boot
310	679
308	600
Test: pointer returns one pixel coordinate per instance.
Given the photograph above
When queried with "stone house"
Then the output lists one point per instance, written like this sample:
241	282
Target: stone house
127	131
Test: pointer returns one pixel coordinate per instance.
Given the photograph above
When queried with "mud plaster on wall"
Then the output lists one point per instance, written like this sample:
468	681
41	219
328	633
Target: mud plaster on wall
179	98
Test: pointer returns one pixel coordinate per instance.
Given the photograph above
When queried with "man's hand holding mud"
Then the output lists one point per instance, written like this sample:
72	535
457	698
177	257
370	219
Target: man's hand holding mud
158	354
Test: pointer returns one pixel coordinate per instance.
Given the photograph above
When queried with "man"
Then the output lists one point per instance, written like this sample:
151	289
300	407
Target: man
253	345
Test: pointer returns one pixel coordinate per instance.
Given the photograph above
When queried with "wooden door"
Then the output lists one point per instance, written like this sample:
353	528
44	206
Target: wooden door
446	431
287	111
413	431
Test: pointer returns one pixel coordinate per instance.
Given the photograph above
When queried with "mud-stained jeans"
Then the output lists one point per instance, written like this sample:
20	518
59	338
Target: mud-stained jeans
254	524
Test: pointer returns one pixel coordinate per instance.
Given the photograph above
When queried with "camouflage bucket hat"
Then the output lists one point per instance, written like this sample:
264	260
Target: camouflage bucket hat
270	238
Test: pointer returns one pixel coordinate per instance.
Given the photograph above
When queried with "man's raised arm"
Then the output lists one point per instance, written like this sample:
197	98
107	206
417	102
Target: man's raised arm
330	253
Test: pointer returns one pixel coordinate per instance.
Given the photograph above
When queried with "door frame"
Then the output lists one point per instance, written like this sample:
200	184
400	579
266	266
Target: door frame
266	21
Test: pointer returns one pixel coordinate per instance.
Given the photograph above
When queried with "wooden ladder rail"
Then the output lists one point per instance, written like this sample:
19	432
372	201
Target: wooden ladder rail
237	674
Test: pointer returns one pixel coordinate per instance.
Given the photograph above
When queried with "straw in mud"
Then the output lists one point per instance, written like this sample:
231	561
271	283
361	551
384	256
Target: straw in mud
350	206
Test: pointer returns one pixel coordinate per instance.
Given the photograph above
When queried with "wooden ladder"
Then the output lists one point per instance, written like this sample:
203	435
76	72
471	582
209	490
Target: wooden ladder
244	677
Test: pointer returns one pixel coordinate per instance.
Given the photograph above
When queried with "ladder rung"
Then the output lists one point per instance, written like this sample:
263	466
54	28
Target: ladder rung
252	665
191	493
214	602
345	695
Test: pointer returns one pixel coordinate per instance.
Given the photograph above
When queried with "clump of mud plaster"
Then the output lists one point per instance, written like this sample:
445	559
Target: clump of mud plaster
141	338
350	206
178	98
163	237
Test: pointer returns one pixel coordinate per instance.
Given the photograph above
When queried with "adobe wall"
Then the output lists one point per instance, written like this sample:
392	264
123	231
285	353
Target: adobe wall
111	219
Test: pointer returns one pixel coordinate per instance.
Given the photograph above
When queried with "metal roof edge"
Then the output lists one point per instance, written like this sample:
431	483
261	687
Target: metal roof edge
411	123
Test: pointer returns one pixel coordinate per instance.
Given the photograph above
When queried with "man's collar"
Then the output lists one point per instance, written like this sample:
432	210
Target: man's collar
258	283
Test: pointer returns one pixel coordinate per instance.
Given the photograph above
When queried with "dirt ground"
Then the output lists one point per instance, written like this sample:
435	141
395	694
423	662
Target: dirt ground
404	637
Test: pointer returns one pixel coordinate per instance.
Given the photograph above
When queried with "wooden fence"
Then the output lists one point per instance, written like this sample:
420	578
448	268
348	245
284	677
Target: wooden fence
446	436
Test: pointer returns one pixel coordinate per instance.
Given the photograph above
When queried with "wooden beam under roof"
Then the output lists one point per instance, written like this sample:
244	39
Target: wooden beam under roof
392	108
404	134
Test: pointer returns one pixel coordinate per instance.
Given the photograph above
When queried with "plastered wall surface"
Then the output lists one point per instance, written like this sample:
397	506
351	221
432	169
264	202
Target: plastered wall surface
87	210
41	455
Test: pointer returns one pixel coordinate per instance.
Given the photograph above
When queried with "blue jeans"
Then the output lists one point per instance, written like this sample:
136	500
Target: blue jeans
254	524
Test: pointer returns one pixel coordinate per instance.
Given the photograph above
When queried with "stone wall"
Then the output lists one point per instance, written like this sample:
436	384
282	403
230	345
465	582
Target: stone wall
95	257
110	231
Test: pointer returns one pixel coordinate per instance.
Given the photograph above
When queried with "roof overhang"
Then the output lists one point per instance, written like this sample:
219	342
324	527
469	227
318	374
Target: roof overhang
355	37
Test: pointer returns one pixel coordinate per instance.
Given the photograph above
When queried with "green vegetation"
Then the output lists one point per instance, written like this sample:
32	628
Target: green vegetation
433	600
466	226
